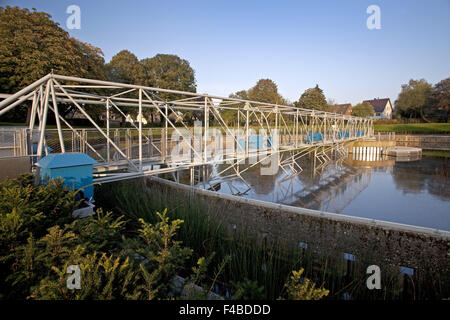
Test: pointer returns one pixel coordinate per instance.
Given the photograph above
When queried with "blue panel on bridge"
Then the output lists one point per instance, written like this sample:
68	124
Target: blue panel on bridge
254	142
343	134
314	137
74	168
360	133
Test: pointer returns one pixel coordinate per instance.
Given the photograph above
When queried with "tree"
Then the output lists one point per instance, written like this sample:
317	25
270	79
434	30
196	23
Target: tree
124	67
240	95
364	109
441	96
32	45
92	62
415	99
230	116
265	90
313	98
169	71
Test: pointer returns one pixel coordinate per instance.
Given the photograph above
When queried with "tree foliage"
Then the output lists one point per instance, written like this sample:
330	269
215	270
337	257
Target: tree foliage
168	71
125	67
441	97
265	90
161	71
364	109
414	99
313	98
33	45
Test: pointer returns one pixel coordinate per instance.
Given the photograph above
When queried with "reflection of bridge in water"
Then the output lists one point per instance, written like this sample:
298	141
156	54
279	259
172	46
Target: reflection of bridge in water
330	187
260	132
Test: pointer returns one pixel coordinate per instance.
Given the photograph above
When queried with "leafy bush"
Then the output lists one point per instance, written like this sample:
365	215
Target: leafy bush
300	288
34	261
40	240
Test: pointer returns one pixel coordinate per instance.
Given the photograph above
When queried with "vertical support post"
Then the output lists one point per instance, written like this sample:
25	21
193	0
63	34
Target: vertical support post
117	138
296	129
276	124
206	126
58	123
140	129
247	124
164	135
44	121
33	112
107	131
128	143
236	134
150	148
83	141
238	119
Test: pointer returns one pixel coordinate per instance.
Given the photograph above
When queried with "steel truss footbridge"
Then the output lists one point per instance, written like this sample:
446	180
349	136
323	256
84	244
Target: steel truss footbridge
257	132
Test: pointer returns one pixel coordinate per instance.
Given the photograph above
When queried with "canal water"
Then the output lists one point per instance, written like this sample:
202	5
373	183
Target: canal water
409	192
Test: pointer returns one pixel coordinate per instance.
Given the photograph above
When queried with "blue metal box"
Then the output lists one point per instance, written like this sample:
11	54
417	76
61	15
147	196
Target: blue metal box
74	168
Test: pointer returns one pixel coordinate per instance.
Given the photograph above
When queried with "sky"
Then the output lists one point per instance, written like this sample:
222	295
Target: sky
298	44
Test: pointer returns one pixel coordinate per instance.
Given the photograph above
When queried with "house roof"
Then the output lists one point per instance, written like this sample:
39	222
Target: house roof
64	160
340	108
378	104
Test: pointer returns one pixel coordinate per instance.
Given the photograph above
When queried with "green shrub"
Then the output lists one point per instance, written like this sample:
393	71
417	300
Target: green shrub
300	288
40	239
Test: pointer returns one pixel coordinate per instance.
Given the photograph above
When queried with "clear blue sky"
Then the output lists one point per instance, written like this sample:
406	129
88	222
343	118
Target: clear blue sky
231	44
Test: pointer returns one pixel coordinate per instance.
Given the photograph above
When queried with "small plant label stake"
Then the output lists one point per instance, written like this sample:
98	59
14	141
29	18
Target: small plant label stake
374	281
74	280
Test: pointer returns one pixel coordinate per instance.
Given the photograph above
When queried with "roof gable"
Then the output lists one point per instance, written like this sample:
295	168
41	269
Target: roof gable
341	108
379	104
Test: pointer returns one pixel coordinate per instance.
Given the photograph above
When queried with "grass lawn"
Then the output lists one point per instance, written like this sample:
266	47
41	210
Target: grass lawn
11	124
436	153
414	128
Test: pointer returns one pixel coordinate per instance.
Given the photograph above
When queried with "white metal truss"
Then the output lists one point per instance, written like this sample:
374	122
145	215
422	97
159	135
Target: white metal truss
261	129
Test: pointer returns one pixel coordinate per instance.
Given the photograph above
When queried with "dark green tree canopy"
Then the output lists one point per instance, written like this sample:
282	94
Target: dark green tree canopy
125	67
441	95
32	45
313	98
169	71
265	90
364	109
240	95
414	99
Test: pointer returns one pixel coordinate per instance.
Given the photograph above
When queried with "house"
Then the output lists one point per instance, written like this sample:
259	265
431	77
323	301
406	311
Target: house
382	108
345	109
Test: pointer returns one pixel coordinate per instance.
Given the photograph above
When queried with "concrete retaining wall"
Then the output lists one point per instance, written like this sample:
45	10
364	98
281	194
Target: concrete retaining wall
372	242
427	142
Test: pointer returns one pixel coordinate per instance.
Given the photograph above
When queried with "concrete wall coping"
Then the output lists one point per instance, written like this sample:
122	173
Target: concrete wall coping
310	212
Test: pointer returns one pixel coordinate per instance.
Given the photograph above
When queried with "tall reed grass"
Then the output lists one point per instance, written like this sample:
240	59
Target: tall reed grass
269	263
